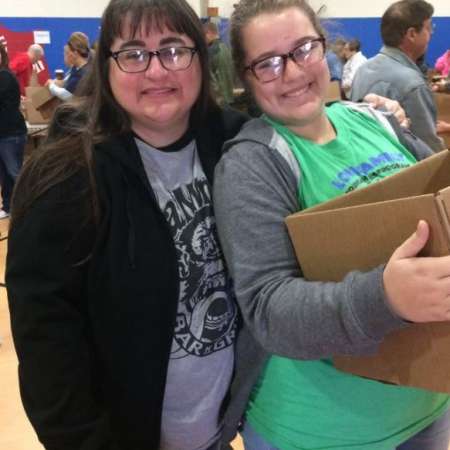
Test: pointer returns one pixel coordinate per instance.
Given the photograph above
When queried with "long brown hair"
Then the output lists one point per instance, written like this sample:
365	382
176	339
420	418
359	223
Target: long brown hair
96	116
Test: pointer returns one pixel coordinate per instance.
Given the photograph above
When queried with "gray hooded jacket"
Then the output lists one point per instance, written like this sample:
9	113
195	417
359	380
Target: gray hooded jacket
255	188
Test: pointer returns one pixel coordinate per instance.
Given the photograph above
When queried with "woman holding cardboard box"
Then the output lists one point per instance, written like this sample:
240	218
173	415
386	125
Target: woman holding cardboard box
298	154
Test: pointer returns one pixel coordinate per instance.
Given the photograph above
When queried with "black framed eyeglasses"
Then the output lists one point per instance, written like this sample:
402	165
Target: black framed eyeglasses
304	55
137	60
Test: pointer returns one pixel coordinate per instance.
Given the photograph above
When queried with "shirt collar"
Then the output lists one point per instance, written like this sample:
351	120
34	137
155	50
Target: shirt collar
401	57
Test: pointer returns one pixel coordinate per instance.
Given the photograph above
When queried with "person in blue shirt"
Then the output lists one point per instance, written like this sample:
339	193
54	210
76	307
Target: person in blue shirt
335	59
334	65
77	57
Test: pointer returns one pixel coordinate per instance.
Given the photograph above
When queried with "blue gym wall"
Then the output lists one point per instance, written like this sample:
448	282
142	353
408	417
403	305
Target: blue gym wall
365	29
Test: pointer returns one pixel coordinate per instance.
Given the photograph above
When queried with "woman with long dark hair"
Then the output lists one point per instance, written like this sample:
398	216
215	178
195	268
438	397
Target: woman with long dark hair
122	312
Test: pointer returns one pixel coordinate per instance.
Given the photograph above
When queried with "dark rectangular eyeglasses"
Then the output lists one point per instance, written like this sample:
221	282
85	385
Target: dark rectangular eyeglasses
304	55
138	60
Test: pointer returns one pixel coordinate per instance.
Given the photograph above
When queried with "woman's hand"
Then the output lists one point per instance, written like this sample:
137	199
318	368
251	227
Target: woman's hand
418	288
393	106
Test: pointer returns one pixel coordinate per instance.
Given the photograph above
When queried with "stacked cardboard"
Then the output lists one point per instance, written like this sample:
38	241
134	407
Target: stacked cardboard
333	92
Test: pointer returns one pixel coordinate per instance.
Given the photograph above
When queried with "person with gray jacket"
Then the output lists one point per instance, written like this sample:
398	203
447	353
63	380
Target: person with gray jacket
286	391
406	30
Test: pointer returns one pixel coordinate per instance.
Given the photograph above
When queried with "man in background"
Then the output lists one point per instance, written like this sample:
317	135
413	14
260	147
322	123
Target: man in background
355	59
221	65
335	59
22	65
406	30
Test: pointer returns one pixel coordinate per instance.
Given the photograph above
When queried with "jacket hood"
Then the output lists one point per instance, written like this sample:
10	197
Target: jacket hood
255	130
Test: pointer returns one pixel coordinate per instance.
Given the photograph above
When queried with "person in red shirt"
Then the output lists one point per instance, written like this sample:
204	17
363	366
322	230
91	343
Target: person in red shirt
22	65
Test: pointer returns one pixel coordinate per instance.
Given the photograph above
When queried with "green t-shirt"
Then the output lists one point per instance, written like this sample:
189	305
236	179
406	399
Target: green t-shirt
298	405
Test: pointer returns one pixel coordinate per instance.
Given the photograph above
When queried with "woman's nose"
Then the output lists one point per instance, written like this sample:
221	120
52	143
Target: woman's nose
292	69
155	68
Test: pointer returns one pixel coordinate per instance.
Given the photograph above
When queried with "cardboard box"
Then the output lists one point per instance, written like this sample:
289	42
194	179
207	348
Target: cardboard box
34	82
212	11
333	92
32	115
443	112
360	230
44	101
442	105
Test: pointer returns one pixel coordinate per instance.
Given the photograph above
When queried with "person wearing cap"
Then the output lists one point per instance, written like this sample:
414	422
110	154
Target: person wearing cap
13	131
220	64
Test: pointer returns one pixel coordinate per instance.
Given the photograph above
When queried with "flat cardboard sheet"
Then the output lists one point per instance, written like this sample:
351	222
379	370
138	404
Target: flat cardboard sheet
32	115
359	231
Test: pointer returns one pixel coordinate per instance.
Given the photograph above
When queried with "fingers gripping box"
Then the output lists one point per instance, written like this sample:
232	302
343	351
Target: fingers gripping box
361	230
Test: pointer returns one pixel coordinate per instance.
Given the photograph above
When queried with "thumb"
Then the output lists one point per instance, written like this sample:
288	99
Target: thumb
415	243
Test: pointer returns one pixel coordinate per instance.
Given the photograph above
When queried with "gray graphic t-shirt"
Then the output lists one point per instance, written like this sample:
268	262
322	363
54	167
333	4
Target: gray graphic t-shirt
201	360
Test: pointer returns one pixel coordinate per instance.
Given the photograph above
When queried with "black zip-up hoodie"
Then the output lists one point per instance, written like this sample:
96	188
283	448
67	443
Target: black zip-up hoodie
93	338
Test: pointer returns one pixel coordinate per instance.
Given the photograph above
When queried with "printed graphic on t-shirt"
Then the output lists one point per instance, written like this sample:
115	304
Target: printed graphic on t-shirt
365	173
205	321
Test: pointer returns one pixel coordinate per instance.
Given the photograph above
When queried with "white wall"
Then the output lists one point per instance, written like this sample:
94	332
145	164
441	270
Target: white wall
60	8
365	8
344	8
94	8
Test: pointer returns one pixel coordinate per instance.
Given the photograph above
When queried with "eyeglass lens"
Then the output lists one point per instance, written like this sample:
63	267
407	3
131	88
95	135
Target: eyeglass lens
305	55
172	58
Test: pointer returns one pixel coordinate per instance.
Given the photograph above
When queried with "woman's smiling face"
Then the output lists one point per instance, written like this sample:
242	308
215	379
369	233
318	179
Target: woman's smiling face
296	98
156	99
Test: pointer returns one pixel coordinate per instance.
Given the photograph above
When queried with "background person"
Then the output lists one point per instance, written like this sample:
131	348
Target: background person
13	131
297	155
221	65
22	65
124	330
442	86
354	60
442	65
76	56
406	30
335	65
